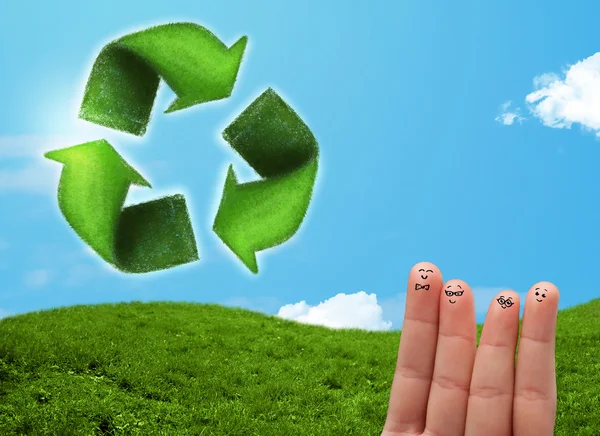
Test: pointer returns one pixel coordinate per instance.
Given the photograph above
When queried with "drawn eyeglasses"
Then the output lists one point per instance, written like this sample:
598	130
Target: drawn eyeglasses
456	294
505	302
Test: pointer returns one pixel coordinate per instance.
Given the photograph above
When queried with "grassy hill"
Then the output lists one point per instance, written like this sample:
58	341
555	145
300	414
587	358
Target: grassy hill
192	369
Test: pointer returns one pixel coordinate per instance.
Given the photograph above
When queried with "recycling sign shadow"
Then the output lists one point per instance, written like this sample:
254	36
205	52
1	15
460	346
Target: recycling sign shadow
157	235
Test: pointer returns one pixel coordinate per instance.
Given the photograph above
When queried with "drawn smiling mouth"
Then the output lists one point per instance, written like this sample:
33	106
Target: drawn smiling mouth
538	300
452	302
424	277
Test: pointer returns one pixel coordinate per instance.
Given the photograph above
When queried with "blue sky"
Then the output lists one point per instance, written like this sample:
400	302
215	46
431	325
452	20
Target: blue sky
422	157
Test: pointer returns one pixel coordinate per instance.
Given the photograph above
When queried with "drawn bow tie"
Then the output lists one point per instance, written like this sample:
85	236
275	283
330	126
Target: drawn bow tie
418	286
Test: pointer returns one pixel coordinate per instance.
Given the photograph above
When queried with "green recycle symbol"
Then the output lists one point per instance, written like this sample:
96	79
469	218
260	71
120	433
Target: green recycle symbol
158	234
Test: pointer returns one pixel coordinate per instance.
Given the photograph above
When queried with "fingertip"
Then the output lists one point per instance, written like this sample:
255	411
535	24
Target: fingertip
507	294
505	301
501	326
457	292
426	273
457	285
424	268
549	286
544	291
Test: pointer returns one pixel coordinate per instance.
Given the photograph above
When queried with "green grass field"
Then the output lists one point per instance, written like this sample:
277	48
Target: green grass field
193	369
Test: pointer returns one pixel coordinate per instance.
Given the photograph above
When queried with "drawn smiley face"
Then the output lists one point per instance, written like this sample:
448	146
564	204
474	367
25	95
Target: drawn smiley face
424	273
540	294
450	293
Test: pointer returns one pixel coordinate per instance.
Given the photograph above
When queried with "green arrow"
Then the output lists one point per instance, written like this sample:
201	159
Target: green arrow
141	238
280	147
122	86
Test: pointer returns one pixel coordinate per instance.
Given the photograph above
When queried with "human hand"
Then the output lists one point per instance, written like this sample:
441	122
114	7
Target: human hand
444	385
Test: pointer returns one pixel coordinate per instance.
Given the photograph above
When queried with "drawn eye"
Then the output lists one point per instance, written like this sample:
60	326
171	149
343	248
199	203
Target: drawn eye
430	271
537	293
458	293
544	295
501	299
509	302
421	270
449	293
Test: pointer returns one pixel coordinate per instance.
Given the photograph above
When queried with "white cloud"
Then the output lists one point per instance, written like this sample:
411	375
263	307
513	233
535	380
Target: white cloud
575	99
559	101
37	278
545	80
508	117
359	310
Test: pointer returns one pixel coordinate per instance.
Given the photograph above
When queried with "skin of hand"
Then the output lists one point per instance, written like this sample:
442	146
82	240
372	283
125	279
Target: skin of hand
445	386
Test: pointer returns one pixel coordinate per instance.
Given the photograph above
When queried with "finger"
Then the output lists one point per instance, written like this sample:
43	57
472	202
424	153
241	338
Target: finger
455	353
534	406
490	405
416	354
